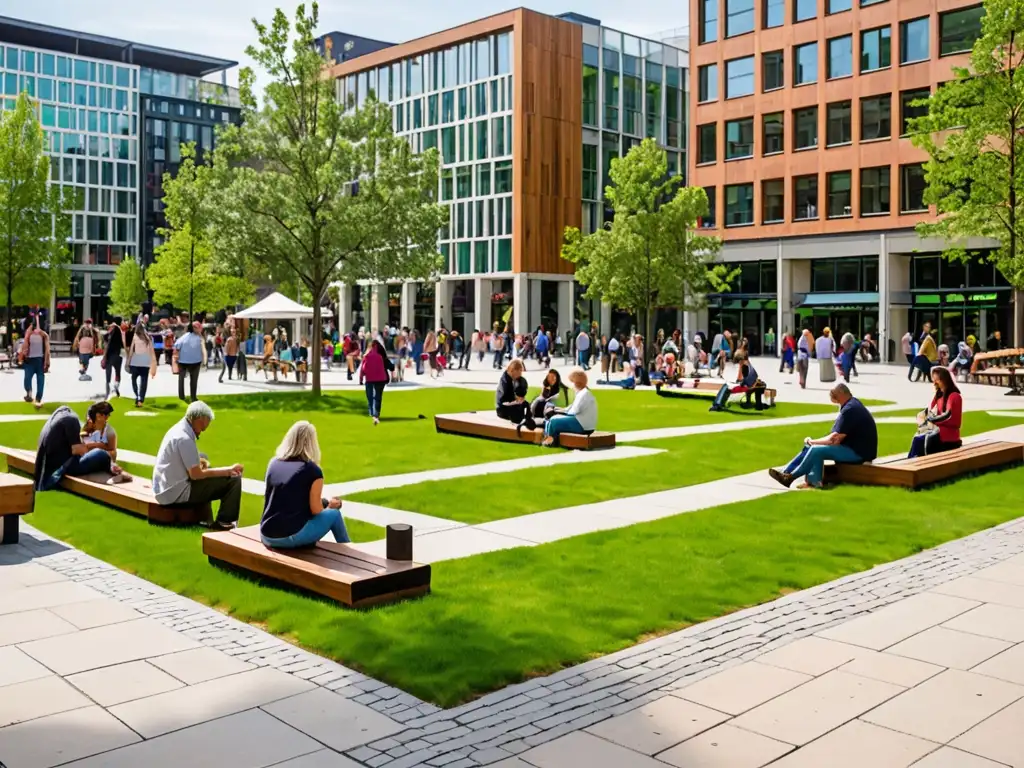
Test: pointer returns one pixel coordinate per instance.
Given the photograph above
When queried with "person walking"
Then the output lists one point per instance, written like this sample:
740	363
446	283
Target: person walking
374	374
583	350
35	360
113	356
189	356
85	343
230	347
141	361
498	343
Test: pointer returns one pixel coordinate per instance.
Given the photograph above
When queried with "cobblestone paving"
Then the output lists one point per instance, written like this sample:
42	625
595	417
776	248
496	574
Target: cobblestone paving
521	716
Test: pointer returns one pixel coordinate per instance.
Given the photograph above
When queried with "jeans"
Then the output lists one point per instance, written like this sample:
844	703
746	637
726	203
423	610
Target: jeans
83	361
464	358
314	530
497	358
374	396
96	460
140	381
229	367
910	361
583	358
192	370
557	425
34	367
227	489
926	445
114	368
811	461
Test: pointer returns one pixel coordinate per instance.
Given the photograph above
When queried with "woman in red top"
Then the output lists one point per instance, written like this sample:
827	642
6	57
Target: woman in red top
945	414
375	372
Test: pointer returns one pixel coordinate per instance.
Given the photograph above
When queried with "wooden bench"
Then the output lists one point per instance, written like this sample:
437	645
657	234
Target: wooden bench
925	470
488	425
1000	359
337	571
17	498
135	496
690	385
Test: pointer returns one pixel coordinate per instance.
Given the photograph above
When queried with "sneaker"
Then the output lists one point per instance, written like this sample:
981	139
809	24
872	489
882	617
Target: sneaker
83	377
782	478
217	525
27	398
117	391
376	421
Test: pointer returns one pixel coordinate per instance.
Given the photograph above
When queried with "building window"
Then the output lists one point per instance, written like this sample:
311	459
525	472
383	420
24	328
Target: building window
912	187
804	9
838	6
773	201
839	201
909	111
914	40
805	64
772	71
839	126
774	13
876	118
958	30
875	49
840	57
805	198
708	222
864	3
708	21
739	205
707	86
874	191
774	134
739	138
707	143
739	77
739	17
805	134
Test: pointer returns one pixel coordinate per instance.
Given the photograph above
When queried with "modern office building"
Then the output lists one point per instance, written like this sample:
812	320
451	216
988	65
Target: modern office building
527	112
799	111
96	95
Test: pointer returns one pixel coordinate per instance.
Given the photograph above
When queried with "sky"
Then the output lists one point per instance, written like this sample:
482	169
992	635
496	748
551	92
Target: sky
223	28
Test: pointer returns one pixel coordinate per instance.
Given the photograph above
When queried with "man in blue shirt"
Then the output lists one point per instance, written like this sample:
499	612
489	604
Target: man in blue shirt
189	352
853	440
543	346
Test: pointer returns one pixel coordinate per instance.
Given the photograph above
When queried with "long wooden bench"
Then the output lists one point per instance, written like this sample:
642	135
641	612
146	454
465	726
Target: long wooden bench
690	385
926	470
990	367
17	498
135	496
487	424
337	571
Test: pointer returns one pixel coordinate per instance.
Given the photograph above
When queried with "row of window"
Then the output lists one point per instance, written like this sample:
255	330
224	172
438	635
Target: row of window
453	106
157	83
103	228
186	110
874	121
476	180
63	92
97	200
38	62
874	185
164	138
105	173
57	142
479	218
480	257
875	53
471	141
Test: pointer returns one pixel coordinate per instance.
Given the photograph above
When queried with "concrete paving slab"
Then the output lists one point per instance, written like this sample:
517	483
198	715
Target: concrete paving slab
891	669
999	738
742	687
945	706
195	704
18	667
984	590
37	698
337	722
14	599
812	655
104	646
1008	573
583	749
96	613
659	725
32	625
28	575
58	739
324	758
200	664
949	648
815	708
384	516
947	757
556	524
724	746
1008	665
108	686
998	621
858	744
899	621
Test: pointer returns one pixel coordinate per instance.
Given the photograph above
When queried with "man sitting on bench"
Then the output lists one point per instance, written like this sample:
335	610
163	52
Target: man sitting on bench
746	383
62	452
182	477
853	440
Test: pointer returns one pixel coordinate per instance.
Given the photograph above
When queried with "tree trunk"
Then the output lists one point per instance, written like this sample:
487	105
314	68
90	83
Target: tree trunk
648	342
315	344
191	278
10	299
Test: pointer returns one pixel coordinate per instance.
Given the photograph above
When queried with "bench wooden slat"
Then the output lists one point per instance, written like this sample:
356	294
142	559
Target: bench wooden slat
336	571
926	470
488	425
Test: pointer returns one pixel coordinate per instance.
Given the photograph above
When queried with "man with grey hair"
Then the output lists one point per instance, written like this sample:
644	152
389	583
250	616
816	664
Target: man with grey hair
853	440
183	477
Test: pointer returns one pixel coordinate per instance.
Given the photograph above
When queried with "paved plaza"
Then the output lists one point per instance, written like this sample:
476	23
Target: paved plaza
916	662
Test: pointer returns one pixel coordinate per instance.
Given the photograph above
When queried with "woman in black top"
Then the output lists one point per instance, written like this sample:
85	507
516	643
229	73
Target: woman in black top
295	514
550	390
112	357
510	399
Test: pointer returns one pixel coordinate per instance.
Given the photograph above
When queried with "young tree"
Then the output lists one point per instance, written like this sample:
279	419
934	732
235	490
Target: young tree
317	187
128	290
185	272
974	136
650	254
34	229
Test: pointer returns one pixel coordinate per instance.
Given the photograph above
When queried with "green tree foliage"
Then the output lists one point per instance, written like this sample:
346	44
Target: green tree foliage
206	287
34	229
128	290
317	188
650	255
974	136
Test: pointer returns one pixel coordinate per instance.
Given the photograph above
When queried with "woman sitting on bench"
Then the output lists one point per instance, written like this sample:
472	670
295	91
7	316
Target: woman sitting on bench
746	381
63	452
510	398
579	418
940	423
295	514
550	390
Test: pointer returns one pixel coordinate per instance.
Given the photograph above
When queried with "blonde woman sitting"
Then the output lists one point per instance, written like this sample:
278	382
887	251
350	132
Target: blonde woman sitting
579	418
295	514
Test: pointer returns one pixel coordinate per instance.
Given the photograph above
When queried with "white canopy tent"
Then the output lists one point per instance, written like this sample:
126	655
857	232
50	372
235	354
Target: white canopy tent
277	306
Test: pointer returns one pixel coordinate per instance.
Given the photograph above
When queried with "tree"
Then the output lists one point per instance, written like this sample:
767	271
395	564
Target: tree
34	229
650	254
128	290
317	187
974	135
185	272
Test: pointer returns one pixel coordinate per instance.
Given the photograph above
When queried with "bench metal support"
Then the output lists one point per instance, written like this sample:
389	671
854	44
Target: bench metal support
9	529
399	542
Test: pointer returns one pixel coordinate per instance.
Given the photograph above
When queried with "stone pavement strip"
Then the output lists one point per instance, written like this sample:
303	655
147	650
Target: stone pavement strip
917	660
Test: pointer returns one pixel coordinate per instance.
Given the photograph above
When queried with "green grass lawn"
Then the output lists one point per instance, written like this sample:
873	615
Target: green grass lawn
502	617
685	461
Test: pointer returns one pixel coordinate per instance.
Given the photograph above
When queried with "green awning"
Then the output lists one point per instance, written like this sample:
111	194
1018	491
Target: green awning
840	299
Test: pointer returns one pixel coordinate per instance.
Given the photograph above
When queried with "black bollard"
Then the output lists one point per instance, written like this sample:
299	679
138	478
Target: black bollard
399	542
